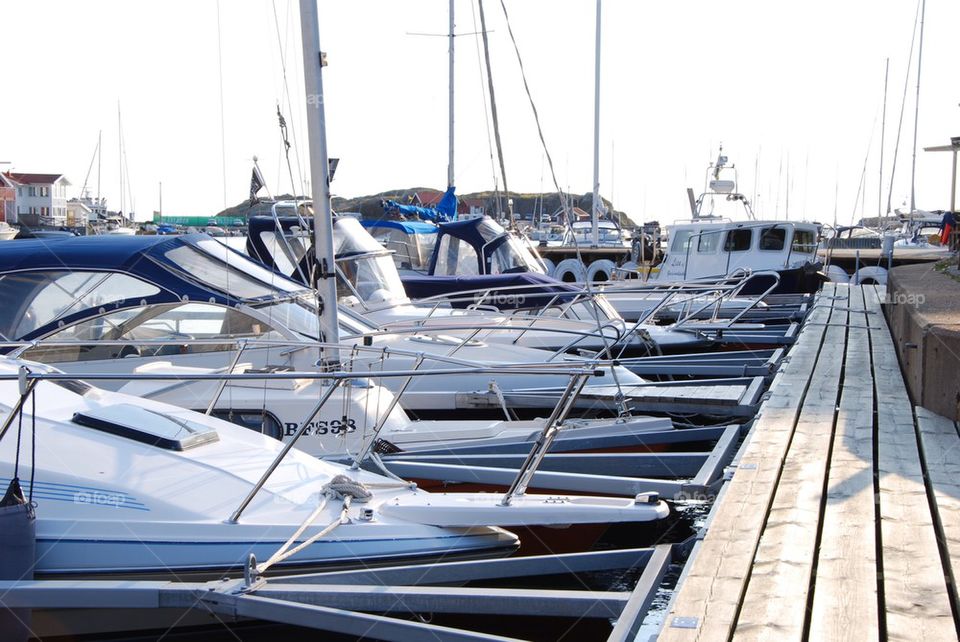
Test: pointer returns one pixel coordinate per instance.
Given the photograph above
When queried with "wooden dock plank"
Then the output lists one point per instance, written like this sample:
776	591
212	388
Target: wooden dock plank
915	593
941	453
716	578
845	603
774	606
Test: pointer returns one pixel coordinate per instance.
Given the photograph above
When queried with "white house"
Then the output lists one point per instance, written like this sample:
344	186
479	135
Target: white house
8	200
41	198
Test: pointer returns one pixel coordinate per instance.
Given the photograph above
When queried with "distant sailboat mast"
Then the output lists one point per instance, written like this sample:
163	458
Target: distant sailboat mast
916	115
594	228
120	155
883	131
450	108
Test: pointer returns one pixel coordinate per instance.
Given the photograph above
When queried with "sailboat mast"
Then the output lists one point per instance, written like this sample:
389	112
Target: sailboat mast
883	131
450	106
916	115
99	156
594	231
313	63
120	154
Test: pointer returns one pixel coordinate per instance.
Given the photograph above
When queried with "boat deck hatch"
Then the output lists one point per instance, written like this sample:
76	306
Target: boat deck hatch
148	427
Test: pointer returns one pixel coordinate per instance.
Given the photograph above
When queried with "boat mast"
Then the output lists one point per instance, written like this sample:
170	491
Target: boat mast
313	63
120	154
450	107
883	131
916	115
99	156
594	231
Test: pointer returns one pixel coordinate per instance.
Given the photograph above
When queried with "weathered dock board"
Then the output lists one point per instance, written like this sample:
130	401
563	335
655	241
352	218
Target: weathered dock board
842	520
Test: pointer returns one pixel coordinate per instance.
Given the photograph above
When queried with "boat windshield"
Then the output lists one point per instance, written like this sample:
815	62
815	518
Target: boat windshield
513	256
146	325
217	266
365	269
35	299
411	250
510	256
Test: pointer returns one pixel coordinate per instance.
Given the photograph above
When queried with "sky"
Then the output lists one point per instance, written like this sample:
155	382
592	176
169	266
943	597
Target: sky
792	90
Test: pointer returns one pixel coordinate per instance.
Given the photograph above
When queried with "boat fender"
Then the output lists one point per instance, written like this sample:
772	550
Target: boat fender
341	487
871	274
600	270
629	270
570	271
549	266
836	274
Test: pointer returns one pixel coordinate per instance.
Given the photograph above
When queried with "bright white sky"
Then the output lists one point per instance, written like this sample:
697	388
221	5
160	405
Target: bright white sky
780	84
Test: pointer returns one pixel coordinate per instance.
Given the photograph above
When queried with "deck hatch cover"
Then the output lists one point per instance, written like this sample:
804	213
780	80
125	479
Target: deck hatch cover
148	427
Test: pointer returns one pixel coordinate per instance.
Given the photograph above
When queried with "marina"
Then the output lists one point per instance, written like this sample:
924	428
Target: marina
722	408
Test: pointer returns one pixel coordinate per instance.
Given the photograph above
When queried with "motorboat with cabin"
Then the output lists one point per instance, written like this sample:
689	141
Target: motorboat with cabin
189	305
480	244
711	246
370	285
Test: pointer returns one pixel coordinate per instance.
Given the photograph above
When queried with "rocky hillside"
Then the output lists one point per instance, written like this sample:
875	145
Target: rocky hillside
370	206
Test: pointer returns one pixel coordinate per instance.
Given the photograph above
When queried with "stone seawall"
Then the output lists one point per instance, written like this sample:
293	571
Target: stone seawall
923	310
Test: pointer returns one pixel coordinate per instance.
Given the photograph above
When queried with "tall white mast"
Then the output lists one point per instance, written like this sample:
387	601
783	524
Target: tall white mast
450	108
120	154
595	233
883	132
916	116
313	63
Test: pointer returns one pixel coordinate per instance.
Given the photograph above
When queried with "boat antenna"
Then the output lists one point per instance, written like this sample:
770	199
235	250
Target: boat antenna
916	115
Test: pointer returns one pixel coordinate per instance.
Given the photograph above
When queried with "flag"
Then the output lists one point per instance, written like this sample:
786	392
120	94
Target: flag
256	184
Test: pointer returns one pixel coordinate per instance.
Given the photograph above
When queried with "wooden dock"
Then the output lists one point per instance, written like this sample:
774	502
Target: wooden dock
842	518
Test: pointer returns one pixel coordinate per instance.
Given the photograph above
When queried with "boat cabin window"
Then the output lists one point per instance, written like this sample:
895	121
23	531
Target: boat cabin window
681	241
31	300
738	240
708	242
804	242
773	239
456	257
139	326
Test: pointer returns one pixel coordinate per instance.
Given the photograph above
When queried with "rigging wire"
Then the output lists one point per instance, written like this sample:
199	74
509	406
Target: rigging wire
564	203
903	104
493	112
486	113
286	94
863	174
223	135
